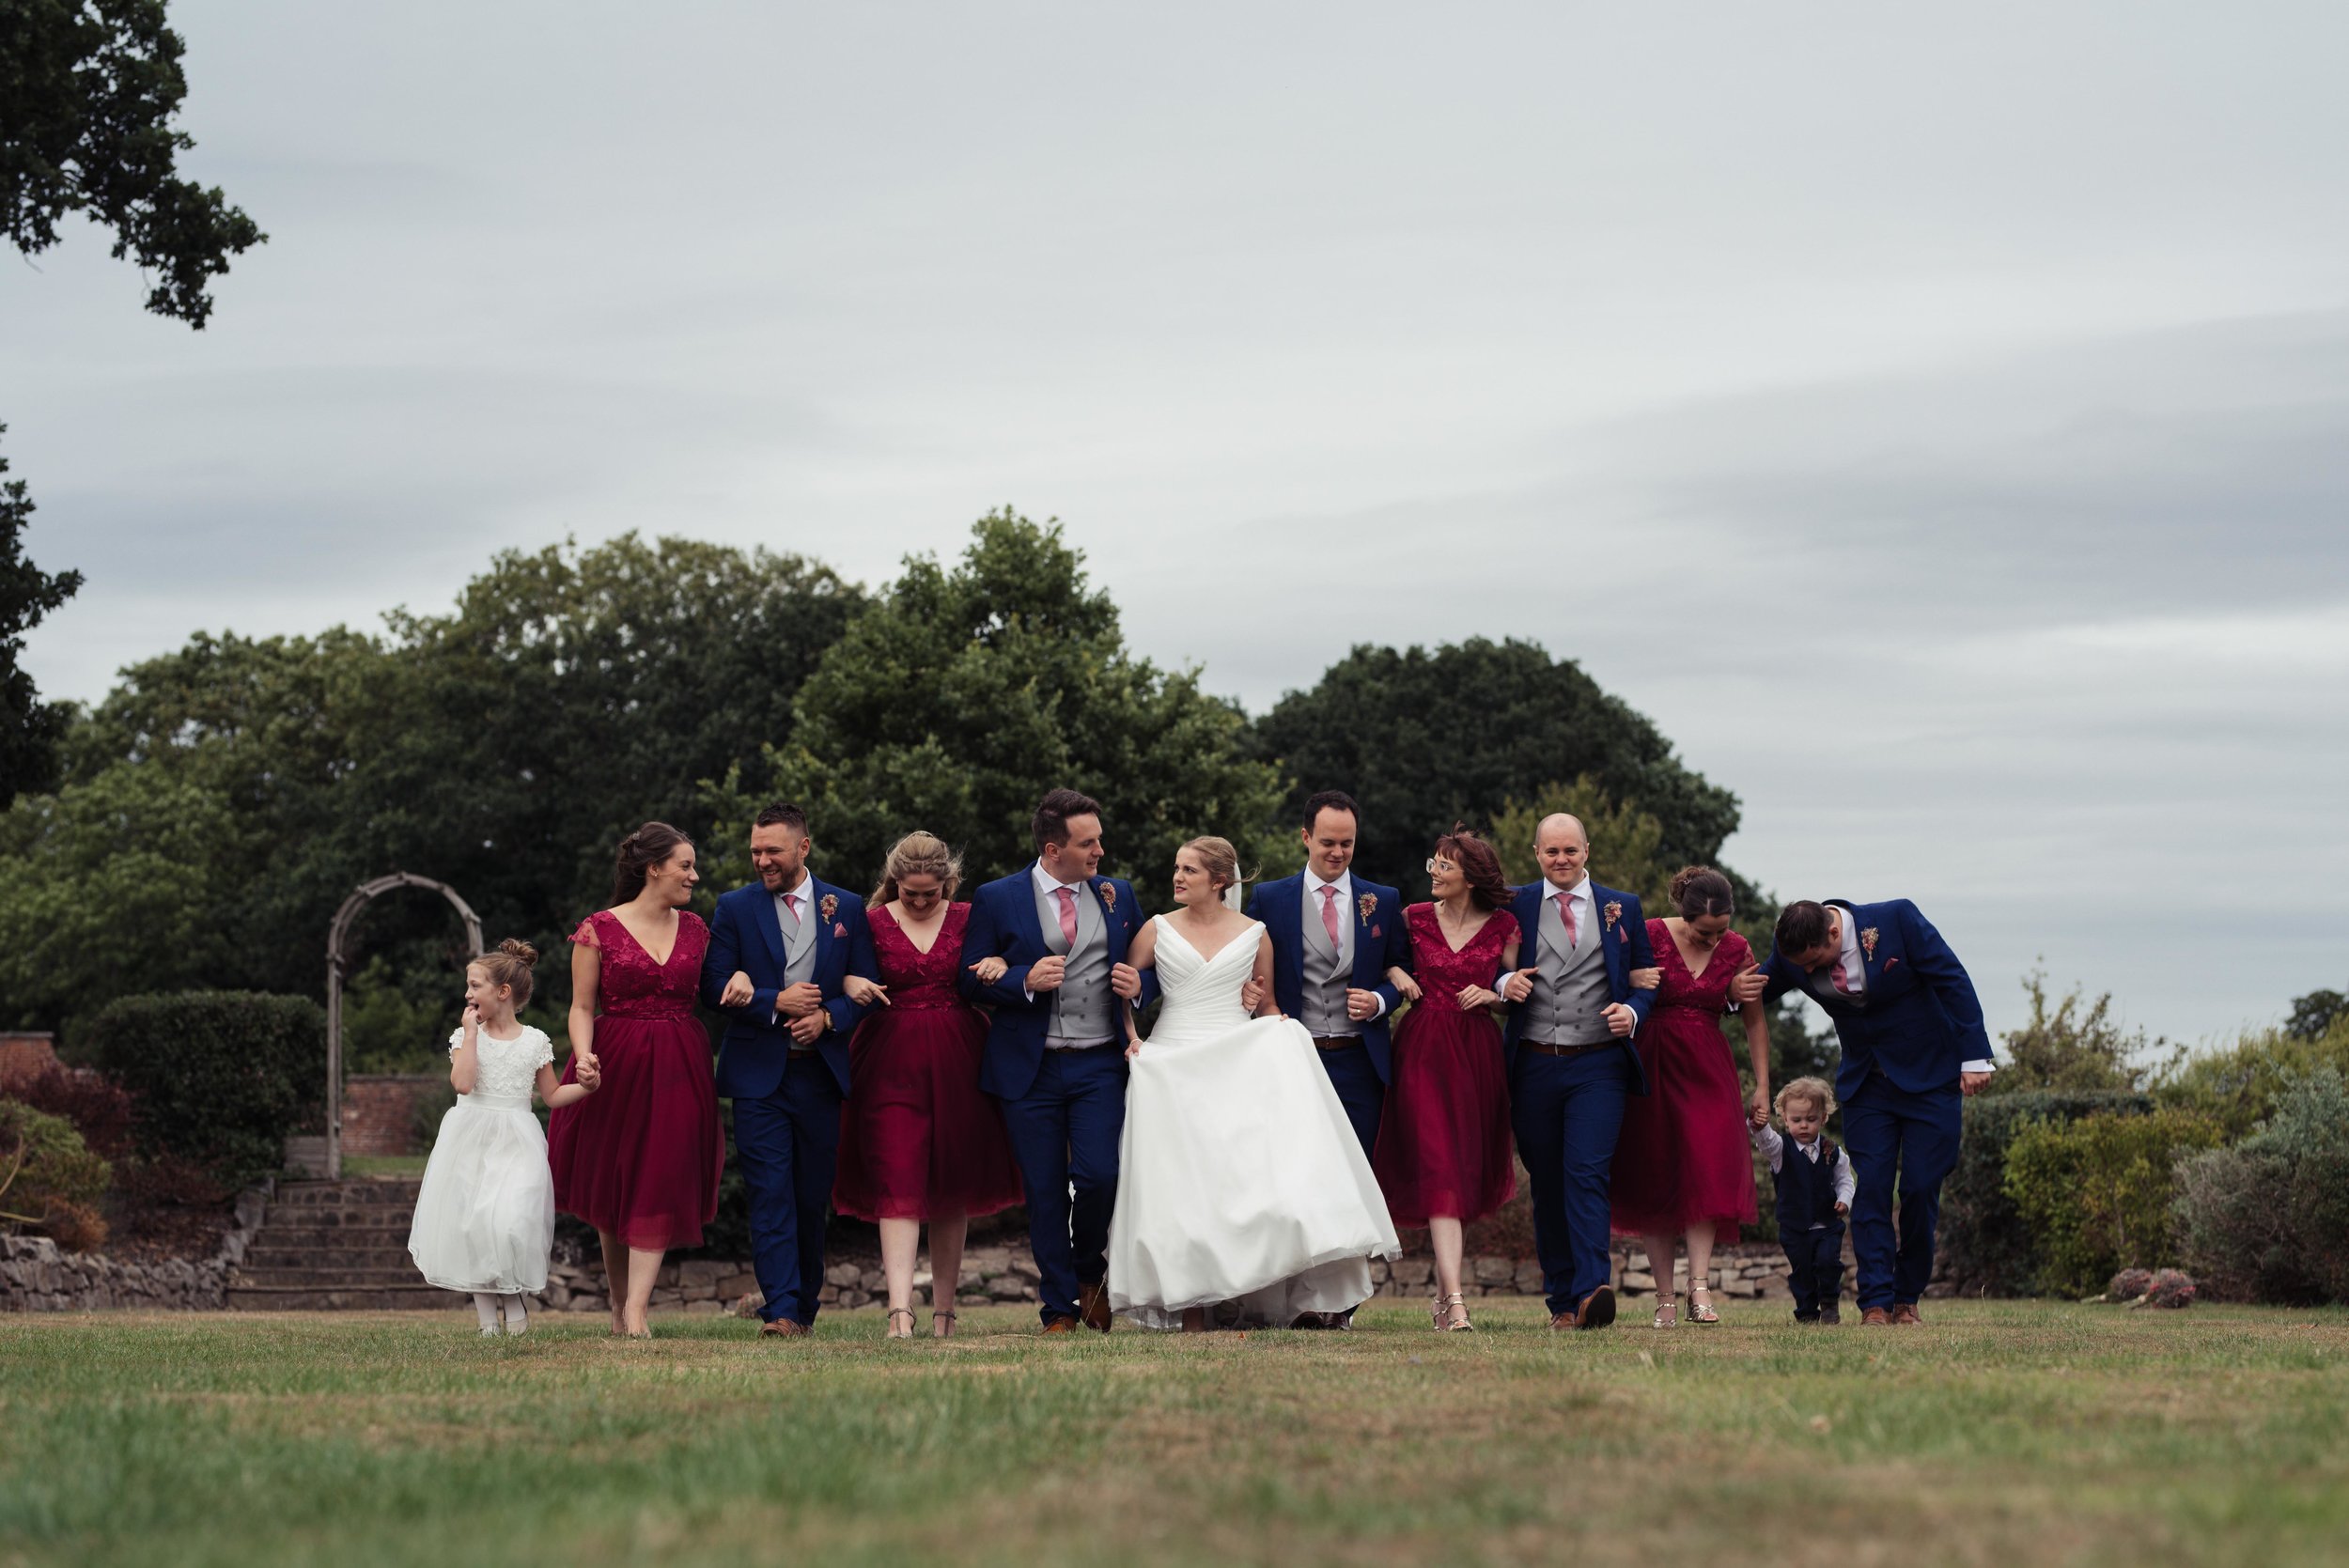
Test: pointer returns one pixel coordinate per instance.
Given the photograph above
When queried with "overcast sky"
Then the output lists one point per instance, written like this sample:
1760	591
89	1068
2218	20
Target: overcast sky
1938	424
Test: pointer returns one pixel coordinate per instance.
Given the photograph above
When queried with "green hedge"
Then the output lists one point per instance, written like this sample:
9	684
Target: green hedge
218	1078
1988	1247
2268	1220
2094	1193
49	1180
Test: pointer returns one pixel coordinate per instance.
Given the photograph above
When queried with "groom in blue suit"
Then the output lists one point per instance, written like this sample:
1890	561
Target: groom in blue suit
1334	940
1055	1055
1913	1047
780	950
1571	1063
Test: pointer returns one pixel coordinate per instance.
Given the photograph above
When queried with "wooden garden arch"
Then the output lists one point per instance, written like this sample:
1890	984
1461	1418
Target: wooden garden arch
337	935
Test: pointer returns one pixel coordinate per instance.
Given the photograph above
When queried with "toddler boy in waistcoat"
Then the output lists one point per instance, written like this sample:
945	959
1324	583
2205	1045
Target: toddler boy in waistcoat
1814	1192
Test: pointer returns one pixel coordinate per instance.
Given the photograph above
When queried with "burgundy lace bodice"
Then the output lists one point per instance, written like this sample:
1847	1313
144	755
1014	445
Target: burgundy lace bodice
1443	975
1708	993
919	982
631	985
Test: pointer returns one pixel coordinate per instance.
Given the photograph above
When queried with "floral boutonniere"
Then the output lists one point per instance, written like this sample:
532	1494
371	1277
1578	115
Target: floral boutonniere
829	905
1108	890
1614	913
1366	906
1868	942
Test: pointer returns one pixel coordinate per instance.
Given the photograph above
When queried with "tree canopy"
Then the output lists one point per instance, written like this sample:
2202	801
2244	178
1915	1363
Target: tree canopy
30	729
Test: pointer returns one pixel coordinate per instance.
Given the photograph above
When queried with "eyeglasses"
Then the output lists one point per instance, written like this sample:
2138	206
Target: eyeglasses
1438	863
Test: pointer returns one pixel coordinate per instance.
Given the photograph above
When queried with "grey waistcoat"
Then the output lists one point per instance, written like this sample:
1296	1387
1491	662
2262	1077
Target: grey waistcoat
1571	993
798	950
1085	1009
1328	973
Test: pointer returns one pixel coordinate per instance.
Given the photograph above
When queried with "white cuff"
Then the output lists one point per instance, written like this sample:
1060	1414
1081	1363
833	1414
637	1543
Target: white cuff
1984	1066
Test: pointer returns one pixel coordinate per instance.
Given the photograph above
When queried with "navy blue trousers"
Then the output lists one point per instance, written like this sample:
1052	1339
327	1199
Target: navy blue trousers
1065	1132
789	1143
1815	1268
1356	1080
1568	1112
1891	1133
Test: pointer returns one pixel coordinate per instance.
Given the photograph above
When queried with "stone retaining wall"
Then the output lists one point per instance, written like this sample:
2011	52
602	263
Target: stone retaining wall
39	1276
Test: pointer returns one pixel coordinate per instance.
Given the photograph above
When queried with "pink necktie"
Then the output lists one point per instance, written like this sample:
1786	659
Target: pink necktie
1842	985
1566	912
1330	914
791	908
1067	914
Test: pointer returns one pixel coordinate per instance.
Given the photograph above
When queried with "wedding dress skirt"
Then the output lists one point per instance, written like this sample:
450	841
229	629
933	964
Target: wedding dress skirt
1240	1182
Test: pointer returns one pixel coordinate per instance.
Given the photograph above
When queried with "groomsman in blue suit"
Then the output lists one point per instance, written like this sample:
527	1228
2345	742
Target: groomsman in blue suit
1334	940
1055	1053
1571	1063
779	952
1913	1047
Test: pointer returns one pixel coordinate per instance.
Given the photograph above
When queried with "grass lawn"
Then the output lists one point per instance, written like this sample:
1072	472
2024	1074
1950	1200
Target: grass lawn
1998	1433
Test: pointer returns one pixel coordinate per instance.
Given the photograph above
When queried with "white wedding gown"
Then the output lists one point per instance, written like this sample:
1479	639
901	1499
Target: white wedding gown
1240	1182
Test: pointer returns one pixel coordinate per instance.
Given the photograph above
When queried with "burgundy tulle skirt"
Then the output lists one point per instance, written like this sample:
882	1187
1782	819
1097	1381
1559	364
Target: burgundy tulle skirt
642	1156
918	1140
1443	1144
1684	1159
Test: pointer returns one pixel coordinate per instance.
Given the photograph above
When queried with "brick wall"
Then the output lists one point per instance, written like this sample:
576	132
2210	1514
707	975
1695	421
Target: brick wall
379	1111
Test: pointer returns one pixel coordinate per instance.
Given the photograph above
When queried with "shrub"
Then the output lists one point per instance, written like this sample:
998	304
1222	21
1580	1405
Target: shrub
218	1078
2268	1220
2242	1085
98	1107
2075	1044
2096	1191
49	1179
1984	1242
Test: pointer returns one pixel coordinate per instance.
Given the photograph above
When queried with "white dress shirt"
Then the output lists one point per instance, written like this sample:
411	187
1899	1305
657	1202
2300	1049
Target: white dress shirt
1767	1140
1856	975
1344	884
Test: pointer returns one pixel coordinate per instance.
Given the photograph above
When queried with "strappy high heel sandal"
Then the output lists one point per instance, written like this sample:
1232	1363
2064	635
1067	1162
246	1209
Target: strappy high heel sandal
1702	1311
1667	1313
938	1317
1442	1314
893	1324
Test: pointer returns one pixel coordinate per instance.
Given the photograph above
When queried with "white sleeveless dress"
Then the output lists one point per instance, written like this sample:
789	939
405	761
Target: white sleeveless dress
485	1214
1242	1185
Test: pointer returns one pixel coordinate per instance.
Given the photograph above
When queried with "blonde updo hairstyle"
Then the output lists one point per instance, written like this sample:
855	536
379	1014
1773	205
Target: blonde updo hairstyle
511	966
918	854
1220	859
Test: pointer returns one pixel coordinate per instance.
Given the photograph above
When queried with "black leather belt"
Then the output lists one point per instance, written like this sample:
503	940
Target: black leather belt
1337	1041
1540	1048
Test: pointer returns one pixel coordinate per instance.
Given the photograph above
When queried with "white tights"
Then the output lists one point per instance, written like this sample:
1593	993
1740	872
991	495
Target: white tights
486	1307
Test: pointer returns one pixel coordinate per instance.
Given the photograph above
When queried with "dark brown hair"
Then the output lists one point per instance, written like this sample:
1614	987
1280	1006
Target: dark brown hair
648	846
511	966
1801	926
1053	811
1700	890
1331	799
781	813
1487	888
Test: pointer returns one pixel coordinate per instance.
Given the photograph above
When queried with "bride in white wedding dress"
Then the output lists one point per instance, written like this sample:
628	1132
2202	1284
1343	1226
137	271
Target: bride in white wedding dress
1241	1185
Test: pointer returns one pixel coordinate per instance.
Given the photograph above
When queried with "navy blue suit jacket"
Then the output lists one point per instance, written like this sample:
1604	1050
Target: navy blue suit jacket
1625	927
1380	942
1921	1021
744	935
1003	924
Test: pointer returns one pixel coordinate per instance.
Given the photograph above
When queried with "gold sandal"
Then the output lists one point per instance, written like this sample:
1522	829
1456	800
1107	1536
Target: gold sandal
1667	1313
1702	1311
1441	1313
891	1332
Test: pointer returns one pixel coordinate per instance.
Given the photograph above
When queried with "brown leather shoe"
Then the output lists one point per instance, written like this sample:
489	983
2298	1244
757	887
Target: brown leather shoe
1092	1305
1059	1326
1561	1323
1905	1313
1596	1310
785	1328
1875	1317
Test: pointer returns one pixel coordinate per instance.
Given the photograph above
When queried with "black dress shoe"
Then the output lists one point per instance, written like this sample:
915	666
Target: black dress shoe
1311	1320
1831	1316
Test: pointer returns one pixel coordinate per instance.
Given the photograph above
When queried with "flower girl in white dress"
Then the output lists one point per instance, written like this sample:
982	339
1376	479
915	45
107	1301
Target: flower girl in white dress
484	1215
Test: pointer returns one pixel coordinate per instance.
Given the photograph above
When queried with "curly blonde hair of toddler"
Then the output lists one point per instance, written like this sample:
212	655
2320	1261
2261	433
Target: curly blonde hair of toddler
1807	1091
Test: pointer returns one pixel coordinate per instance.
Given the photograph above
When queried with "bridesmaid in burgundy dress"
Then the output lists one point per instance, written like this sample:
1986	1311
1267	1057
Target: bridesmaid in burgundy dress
917	1139
1444	1158
1684	1164
640	1162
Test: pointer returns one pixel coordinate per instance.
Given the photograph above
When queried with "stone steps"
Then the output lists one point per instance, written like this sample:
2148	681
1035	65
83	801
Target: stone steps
335	1246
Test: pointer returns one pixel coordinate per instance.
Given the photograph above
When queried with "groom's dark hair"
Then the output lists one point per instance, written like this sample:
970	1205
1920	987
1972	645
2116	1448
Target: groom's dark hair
1330	800
1053	811
1801	926
781	813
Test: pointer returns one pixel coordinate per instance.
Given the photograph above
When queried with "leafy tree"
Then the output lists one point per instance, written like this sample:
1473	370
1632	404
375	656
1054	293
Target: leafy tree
30	729
87	100
965	692
2315	1014
1423	739
2075	1044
